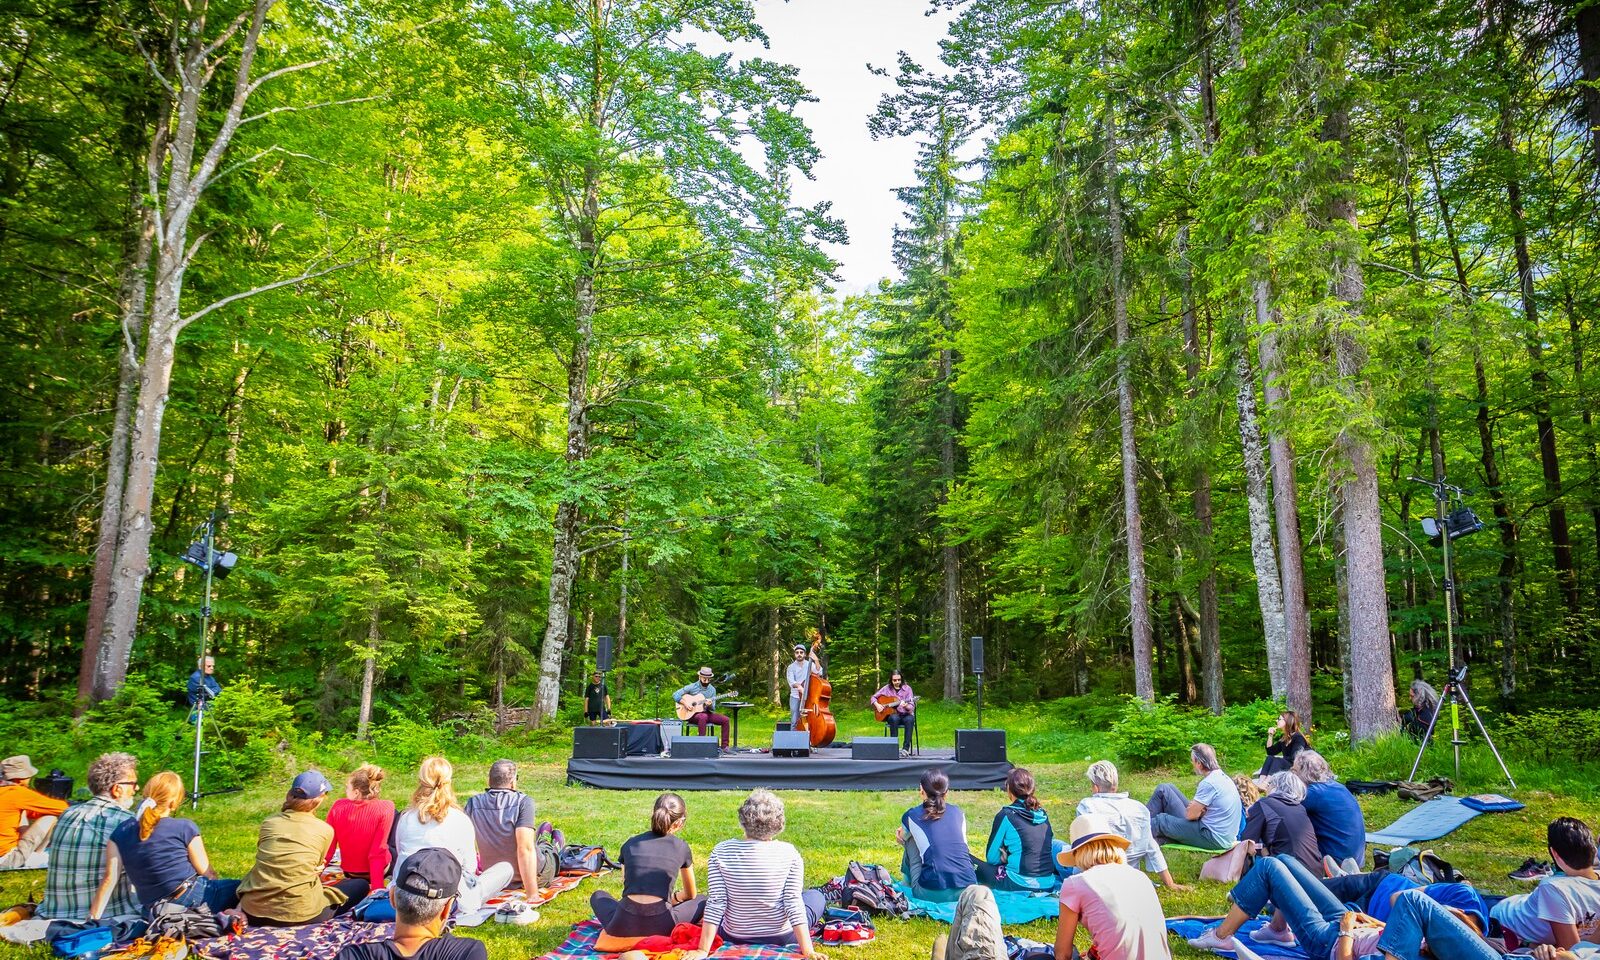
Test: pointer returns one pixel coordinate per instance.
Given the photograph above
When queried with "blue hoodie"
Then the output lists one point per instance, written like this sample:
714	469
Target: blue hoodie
1025	840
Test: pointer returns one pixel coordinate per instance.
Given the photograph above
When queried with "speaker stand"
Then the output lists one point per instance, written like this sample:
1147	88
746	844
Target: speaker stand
979	675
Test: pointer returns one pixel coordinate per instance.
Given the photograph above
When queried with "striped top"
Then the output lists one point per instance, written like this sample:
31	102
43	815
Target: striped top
753	888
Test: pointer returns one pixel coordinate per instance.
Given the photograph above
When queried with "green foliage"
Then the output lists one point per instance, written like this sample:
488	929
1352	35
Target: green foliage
1148	735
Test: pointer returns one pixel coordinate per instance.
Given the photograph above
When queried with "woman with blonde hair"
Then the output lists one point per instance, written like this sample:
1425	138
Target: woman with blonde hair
361	821
435	819
163	856
1114	901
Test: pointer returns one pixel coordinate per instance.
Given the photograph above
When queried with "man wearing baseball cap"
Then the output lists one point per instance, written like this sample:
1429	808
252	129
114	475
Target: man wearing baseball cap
423	895
284	888
18	845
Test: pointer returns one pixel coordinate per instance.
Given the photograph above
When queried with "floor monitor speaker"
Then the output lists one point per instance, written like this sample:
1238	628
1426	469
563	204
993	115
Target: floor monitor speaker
694	748
599	743
980	746
791	743
875	748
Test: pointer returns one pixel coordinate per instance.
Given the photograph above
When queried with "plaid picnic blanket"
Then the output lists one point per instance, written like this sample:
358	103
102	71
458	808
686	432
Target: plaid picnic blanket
579	945
318	940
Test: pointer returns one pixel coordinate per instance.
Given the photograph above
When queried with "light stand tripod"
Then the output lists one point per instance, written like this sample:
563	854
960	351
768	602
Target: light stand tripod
206	558
1450	523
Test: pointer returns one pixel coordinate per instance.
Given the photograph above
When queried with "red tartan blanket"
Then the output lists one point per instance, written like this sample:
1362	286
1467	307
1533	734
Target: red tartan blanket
579	945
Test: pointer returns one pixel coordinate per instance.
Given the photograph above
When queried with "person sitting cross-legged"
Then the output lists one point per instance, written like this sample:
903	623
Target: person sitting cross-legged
284	887
653	864
163	855
1335	813
78	843
755	885
1565	907
19	846
1279	824
1128	817
1211	820
361	821
423	893
1021	850
937	862
506	830
1115	902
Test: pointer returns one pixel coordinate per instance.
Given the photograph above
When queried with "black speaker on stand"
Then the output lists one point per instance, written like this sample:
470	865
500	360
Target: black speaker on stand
602	665
977	671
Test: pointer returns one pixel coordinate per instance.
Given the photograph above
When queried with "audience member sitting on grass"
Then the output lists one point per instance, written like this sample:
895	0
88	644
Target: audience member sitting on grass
975	931
653	863
434	819
755	885
1374	894
1021	850
1424	704
1115	902
18	845
937	862
284	888
503	819
1565	907
1129	819
1211	820
1249	793
163	856
1335	813
1284	742
1278	822
361	821
423	887
78	843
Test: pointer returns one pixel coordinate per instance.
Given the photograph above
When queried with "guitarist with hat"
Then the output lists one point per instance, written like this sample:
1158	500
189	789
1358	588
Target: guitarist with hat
697	702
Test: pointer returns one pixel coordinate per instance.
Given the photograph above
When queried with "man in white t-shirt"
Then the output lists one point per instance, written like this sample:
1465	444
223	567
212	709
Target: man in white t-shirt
1212	819
1565	907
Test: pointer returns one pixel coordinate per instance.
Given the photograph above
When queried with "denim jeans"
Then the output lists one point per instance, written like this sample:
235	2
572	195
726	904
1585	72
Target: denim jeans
1169	821
1416	919
1312	911
219	895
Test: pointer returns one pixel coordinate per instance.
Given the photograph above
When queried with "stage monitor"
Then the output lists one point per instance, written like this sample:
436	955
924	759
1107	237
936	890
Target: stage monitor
599	743
980	746
791	743
694	748
875	748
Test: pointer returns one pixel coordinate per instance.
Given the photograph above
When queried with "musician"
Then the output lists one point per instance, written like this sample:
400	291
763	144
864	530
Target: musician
704	688
904	716
596	699
799	676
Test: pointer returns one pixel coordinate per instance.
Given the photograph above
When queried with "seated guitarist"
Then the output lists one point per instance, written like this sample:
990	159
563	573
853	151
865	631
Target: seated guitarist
703	687
904	716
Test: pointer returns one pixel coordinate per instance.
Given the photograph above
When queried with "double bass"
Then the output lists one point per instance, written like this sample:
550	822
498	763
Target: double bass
815	717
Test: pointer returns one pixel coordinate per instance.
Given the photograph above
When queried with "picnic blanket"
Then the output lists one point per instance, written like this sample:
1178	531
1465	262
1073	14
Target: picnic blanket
1208	851
320	940
1016	906
579	945
1429	821
1187	927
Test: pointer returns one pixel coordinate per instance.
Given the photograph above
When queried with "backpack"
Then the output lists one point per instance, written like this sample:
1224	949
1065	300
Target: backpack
582	858
870	887
1425	790
82	943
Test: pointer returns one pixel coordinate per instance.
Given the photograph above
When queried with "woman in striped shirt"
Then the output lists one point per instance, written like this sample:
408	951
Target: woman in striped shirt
754	885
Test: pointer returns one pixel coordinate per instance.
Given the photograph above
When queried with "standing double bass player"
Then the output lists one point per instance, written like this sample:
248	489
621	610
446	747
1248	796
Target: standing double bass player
815	717
801	670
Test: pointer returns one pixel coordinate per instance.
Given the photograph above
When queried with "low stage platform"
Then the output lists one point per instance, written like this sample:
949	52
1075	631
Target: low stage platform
829	768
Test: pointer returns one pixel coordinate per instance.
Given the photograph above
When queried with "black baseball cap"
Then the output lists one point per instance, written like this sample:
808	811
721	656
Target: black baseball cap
431	872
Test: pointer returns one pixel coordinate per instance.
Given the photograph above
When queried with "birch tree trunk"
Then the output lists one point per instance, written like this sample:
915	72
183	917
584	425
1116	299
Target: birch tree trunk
1263	551
1138	587
951	552
369	675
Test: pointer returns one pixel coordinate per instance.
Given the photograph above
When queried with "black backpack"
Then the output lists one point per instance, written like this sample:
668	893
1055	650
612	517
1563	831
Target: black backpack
870	887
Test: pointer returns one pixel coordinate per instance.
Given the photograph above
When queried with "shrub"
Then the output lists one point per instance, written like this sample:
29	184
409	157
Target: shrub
1153	734
403	742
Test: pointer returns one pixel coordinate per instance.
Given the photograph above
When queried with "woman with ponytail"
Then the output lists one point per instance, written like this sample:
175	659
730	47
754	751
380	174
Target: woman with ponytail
361	821
435	819
653	863
937	862
163	855
1021	854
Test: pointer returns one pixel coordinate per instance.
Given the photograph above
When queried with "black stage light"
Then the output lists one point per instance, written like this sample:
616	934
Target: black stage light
222	561
1457	523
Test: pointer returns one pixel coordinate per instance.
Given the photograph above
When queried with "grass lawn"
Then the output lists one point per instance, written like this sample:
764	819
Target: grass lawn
831	828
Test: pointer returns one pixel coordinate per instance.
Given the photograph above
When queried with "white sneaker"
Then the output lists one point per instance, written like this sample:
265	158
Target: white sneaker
1351	866
1331	867
1208	940
1265	934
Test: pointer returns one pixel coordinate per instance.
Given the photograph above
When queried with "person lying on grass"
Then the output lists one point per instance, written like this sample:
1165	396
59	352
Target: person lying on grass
1115	902
1565	907
653	863
1325	928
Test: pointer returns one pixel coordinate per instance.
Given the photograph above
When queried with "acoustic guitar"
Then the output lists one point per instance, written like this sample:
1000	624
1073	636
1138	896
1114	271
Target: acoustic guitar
693	703
885	704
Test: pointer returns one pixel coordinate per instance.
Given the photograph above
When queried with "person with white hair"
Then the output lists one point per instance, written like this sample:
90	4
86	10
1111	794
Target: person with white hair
1334	811
755	885
1424	704
1278	823
1128	817
1211	820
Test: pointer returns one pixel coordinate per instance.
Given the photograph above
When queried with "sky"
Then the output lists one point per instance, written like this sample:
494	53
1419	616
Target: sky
831	42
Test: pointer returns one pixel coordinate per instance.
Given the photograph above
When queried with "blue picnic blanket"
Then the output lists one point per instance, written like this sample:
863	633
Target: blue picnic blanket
1189	927
1016	906
1430	821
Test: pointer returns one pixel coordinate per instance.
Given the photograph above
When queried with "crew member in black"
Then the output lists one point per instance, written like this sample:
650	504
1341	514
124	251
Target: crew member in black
596	700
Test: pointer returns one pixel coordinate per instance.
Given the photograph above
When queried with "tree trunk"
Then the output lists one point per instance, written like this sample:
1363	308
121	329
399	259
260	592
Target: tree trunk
1263	551
369	675
1371	657
1586	24
1133	521
135	289
1341	585
951	552
777	688
622	597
